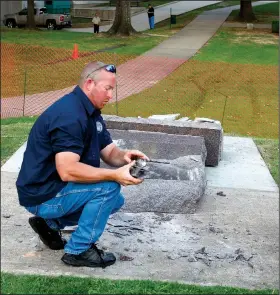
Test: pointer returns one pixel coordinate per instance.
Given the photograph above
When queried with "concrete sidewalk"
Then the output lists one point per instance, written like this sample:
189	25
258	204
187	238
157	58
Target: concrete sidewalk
190	39
140	21
162	12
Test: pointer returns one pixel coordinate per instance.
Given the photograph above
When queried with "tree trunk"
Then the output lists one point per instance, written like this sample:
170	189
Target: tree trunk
30	15
246	11
122	22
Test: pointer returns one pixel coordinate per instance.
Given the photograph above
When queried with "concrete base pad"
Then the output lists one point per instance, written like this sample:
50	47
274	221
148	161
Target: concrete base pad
231	240
242	166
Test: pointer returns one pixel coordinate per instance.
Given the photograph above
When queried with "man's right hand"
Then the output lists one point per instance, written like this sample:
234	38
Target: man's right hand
124	177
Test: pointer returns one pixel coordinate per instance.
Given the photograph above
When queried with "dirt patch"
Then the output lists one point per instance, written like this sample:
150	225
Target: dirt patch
258	40
245	31
258	37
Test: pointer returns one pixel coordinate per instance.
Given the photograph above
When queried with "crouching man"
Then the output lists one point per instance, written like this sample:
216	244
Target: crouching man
61	182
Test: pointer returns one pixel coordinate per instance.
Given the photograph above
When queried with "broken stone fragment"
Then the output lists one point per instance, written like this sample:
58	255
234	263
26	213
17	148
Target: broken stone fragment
173	256
250	264
199	256
243	257
192	258
215	230
167	218
167	117
194	238
201	251
206	261
238	251
125	258
202	120
6	215
137	263
221	256
221	194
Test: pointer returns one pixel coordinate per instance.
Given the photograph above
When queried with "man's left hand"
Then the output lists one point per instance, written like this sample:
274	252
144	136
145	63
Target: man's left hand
131	155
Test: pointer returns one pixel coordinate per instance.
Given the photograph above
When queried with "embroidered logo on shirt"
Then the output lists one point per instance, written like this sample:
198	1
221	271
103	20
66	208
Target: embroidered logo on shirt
99	127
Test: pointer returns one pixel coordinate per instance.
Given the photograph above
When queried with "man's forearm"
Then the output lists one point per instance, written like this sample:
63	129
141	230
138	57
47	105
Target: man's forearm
116	158
83	173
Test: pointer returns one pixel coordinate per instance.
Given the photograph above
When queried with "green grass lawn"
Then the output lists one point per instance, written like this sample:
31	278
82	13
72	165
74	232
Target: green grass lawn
269	149
85	41
31	284
233	78
241	46
264	13
92	42
14	132
242	97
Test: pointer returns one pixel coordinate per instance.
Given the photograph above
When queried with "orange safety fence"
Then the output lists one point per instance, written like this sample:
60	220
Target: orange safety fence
243	97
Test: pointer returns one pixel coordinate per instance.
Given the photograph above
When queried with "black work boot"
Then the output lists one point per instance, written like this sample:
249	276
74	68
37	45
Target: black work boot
93	257
48	236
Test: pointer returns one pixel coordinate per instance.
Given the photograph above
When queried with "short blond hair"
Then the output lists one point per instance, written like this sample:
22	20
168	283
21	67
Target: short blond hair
92	70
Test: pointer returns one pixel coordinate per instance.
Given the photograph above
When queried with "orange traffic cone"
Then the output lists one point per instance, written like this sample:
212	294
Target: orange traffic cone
75	54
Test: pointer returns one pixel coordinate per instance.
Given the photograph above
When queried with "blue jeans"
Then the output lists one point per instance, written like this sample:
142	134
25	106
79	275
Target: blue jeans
152	22
86	205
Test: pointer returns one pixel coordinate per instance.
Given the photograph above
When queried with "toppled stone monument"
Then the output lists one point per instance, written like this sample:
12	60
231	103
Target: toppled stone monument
186	145
177	183
212	132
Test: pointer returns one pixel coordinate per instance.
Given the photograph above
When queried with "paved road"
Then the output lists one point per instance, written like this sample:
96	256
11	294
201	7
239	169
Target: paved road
140	21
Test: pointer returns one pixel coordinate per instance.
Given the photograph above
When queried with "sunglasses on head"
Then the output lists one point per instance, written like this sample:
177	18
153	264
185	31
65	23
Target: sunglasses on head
108	68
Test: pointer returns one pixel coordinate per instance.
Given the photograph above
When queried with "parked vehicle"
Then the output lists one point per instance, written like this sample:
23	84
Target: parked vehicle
42	19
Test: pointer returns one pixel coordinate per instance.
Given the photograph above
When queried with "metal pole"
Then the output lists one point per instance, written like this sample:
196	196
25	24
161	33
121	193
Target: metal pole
224	110
24	90
116	62
170	16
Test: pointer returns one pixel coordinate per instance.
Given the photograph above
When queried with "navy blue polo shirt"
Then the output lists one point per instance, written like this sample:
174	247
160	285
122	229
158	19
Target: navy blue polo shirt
71	124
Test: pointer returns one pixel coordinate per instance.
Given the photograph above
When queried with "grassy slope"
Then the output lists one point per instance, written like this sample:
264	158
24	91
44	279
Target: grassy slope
13	136
264	13
269	149
238	46
235	67
85	41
